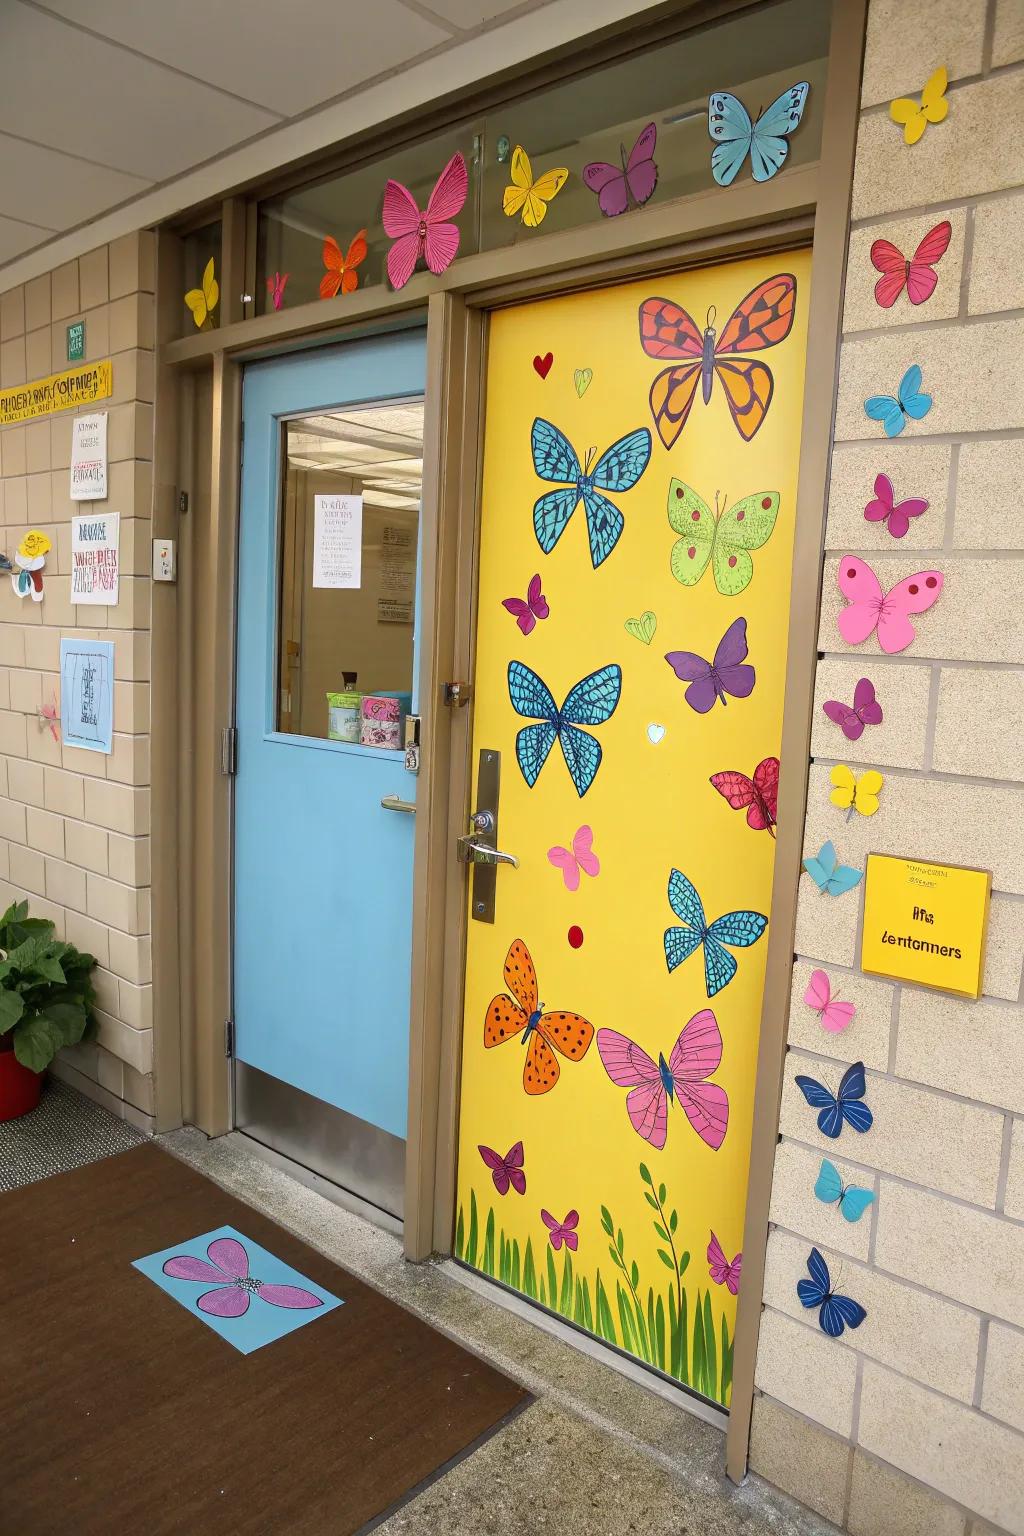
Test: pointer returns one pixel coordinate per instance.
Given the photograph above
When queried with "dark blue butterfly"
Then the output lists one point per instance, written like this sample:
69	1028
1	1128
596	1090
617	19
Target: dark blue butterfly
835	1108
740	929
591	702
836	1312
554	458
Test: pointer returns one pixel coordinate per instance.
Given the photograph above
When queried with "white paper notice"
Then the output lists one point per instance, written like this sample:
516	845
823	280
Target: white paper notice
337	541
94	558
89	457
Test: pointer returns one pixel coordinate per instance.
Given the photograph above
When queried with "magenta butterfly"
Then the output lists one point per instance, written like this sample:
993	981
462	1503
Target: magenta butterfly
507	1172
866	710
527	613
915	274
833	1014
711	680
562	1231
629	185
228	1270
694	1057
276	286
580	856
430	234
871	608
883	507
719	1268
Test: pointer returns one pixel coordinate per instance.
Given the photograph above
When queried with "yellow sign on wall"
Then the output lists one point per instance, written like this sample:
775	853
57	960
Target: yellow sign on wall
58	392
925	923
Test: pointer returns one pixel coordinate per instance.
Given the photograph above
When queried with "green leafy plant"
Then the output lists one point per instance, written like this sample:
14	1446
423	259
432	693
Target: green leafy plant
46	991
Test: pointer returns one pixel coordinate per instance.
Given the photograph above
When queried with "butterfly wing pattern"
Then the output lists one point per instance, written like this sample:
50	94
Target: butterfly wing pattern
844	1107
737	929
630	184
766	140
835	1312
430	235
618	469
591	702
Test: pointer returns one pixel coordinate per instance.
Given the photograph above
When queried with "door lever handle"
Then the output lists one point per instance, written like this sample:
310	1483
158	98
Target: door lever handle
396	803
471	851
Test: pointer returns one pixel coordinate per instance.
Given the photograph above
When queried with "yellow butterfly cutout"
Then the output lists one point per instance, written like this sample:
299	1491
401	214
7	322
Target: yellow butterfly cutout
855	794
529	195
203	301
916	115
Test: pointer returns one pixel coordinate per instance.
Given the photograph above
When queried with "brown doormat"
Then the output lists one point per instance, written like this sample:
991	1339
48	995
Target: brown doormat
121	1410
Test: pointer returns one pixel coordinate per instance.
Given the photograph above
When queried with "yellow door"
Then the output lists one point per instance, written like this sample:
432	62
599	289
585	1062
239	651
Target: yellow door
639	494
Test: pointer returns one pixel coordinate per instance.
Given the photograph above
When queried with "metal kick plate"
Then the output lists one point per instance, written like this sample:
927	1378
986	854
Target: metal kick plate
485	876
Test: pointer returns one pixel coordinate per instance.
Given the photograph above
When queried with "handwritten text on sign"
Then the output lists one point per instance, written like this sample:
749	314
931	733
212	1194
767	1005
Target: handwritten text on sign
94	558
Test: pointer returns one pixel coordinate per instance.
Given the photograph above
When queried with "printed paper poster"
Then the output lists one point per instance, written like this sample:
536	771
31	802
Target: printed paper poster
89	457
337	541
94	558
87	694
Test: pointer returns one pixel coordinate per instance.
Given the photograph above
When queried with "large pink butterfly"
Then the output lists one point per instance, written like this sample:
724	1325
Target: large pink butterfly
871	608
527	613
506	1171
916	274
228	1270
579	857
719	1268
431	234
866	710
833	1014
883	507
696	1054
562	1231
630	184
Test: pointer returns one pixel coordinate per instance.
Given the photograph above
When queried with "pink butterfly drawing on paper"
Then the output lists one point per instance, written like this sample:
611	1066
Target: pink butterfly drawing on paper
276	286
871	608
694	1057
865	710
431	234
883	507
630	184
49	718
527	613
562	1231
580	856
507	1172
833	1014
228	1270
719	1268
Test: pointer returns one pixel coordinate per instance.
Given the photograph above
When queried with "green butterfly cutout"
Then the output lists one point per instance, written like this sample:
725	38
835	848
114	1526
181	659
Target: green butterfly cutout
722	540
642	628
581	378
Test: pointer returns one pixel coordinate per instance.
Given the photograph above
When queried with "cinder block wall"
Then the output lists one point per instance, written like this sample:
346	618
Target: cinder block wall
914	1424
74	825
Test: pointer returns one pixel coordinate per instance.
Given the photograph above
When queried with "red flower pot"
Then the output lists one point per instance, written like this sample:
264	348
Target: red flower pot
19	1087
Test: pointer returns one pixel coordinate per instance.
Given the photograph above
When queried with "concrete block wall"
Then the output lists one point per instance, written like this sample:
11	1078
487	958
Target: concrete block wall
914	1424
74	825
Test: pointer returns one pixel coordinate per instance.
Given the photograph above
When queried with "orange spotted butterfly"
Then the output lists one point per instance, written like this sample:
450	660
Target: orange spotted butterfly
565	1032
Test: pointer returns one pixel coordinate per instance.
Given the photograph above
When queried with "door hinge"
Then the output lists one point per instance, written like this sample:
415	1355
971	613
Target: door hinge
241	443
229	750
229	1038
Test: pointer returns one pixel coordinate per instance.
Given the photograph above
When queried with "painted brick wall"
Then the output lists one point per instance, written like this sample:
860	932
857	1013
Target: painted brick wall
74	825
914	1424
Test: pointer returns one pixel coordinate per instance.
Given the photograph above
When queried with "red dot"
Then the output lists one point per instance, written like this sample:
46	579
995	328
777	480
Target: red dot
766	502
732	561
931	582
851	573
913	589
740	516
680	493
695	517
691	551
575	936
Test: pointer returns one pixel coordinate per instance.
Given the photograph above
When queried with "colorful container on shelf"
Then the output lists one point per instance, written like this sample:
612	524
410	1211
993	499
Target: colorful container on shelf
343	716
382	719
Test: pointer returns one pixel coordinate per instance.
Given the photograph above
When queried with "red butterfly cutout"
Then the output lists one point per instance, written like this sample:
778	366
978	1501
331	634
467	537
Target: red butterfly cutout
759	795
915	275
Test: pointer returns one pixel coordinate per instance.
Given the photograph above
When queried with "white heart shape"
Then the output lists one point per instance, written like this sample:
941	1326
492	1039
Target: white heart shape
655	733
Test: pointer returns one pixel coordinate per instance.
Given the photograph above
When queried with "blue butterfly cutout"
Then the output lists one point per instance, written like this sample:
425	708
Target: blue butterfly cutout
845	1105
892	412
740	929
554	458
829	875
852	1200
836	1313
591	702
766	139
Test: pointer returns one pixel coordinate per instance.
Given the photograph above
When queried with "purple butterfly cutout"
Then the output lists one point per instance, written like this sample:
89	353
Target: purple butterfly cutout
228	1270
506	1171
629	185
883	507
866	710
711	680
527	613
562	1231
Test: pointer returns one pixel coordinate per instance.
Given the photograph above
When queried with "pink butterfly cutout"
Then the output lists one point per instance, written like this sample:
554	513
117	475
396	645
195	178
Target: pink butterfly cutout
48	717
719	1268
428	234
579	857
833	1015
506	1171
562	1231
916	275
889	612
228	1270
884	508
630	184
276	287
866	710
535	607
696	1054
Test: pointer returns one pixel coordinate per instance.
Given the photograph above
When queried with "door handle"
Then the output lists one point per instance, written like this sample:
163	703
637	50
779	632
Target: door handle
396	803
471	851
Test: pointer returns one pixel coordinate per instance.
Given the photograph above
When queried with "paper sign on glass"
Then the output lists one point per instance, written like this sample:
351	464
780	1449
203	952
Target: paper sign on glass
87	694
89	457
337	541
94	558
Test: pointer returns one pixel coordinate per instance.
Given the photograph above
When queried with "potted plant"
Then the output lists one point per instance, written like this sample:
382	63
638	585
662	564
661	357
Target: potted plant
46	996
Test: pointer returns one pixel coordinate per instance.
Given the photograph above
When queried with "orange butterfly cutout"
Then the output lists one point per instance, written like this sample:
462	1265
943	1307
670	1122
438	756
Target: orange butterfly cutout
566	1032
341	270
763	319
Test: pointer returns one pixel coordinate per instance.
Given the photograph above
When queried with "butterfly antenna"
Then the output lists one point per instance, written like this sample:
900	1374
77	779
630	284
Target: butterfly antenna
591	456
712	313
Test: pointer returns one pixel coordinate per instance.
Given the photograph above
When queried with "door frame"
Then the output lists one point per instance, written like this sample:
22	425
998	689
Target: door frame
199	382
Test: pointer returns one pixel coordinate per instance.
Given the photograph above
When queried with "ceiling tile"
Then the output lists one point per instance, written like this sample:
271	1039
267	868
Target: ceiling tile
473	13
65	89
46	187
287	56
16	237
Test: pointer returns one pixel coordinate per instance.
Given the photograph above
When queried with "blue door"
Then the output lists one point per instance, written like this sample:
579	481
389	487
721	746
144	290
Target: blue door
326	668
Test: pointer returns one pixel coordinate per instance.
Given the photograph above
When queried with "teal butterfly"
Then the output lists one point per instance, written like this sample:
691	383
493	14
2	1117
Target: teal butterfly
618	469
908	404
829	875
592	702
766	140
737	929
852	1200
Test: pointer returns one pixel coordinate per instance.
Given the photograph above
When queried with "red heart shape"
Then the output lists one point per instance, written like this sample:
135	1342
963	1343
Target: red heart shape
543	364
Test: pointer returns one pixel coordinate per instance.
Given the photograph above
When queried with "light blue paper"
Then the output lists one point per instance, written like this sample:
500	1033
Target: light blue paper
87	694
262	1322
